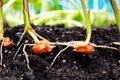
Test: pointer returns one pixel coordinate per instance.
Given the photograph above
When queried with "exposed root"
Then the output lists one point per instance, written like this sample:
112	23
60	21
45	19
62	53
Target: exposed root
40	36
26	55
58	55
1	54
67	44
18	51
116	43
34	33
103	46
21	38
72	43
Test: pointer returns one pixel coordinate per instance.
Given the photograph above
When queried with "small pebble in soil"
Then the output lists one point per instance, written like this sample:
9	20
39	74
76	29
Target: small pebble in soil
64	61
29	75
4	66
5	51
103	72
22	76
26	41
74	62
118	61
18	34
9	52
76	68
53	69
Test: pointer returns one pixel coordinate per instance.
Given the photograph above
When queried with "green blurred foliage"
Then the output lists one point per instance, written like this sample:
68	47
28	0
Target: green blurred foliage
13	13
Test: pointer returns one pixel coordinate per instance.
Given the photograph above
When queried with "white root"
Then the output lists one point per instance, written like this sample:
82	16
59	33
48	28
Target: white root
21	38
18	51
103	46
72	43
40	36
26	55
1	54
58	55
67	44
34	33
116	43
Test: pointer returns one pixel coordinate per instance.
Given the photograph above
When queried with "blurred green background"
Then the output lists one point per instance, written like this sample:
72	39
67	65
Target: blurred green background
53	12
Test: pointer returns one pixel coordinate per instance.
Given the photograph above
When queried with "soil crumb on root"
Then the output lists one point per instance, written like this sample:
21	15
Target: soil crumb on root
102	64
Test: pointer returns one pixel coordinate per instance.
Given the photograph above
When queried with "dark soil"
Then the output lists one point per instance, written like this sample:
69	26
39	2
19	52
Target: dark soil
102	64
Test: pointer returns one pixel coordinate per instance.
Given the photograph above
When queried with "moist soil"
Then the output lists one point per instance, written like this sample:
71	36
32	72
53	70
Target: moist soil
102	64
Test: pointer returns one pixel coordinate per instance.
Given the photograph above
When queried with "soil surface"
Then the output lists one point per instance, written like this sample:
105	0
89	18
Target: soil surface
102	64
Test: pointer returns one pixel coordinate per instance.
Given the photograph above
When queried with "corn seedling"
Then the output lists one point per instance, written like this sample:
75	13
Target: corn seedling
44	46
40	46
5	41
82	46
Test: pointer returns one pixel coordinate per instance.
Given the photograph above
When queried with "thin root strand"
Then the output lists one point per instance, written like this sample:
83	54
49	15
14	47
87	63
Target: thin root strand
1	54
57	56
26	55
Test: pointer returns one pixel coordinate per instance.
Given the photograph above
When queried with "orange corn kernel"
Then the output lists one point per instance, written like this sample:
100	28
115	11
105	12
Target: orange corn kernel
41	47
84	49
7	42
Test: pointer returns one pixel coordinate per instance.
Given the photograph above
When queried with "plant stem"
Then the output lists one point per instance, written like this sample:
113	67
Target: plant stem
87	21
28	27
116	12
1	20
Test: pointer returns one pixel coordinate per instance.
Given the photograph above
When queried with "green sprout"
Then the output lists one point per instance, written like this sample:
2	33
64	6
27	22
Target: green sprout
88	26
116	13
79	46
87	20
1	20
27	24
40	46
